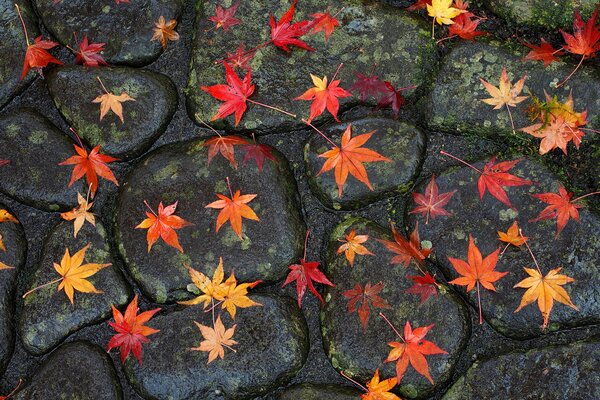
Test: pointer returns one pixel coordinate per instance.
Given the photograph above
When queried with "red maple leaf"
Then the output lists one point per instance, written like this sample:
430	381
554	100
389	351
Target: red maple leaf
91	165
406	250
425	286
131	330
324	95
465	26
285	33
585	39
224	17
37	55
324	22
431	202
560	207
234	94
368	296
224	145
369	85
392	97
304	274
163	224
88	54
258	153
418	5
241	58
495	176
544	52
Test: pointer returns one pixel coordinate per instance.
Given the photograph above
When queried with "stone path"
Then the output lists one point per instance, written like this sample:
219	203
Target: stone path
57	348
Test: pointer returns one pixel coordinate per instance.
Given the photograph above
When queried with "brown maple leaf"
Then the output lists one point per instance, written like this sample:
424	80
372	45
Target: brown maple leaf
431	203
353	244
165	31
234	208
505	95
406	250
80	214
369	296
163	224
111	102
216	339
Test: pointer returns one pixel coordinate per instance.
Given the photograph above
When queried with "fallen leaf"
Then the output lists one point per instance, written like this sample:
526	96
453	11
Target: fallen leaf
285	33
131	330
495	177
5	216
585	40
512	235
80	214
324	95
392	98
353	244
560	206
419	5
304	274
465	26
258	153
215	339
369	296
406	250
212	289
89	54
425	286
112	102
544	52
37	56
370	85
240	59
442	11
224	17
234	209
324	22
224	145
505	94
165	31
431	203
91	165
163	224
235	295
380	390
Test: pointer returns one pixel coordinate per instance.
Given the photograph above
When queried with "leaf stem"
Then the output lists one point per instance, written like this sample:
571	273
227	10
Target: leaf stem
42	286
353	381
433	29
505	247
23	24
212	308
77	137
572	73
320	132
337	71
209	127
272	108
229	186
150	208
382	315
512	122
306	243
103	87
14	390
446	38
479	304
584	196
530	252
459	160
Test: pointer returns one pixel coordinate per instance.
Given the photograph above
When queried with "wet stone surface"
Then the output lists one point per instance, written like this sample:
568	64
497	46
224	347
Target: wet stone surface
527	375
403	143
74	87
181	173
126	28
370	34
78	370
318	392
47	316
271	338
26	135
358	353
576	250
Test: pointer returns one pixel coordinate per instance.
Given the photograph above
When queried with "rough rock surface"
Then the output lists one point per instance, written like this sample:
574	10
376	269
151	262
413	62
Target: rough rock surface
541	13
318	392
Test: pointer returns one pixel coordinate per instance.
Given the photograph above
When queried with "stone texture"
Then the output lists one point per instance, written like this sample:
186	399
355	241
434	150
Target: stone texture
126	28
575	250
359	353
13	237
25	139
74	87
180	173
455	103
12	51
541	13
272	347
48	316
404	144
552	373
309	391
370	34
78	370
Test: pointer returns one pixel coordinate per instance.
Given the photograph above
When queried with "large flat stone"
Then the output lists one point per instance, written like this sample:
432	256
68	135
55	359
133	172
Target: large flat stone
541	13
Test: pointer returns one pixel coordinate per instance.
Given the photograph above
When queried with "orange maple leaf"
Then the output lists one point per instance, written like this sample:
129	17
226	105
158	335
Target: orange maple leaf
324	95
109	101
215	339
5	216
380	390
165	31
324	22
91	165
163	224
512	236
406	250
224	145
353	244
234	209
80	214
349	157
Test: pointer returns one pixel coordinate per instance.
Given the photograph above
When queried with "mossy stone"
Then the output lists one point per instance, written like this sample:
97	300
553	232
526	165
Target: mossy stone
272	347
541	13
74	87
307	391
47	316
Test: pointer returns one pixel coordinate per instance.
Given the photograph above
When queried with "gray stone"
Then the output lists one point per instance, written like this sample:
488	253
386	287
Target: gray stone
26	139
541	13
308	391
272	347
74	87
370	34
78	370
48	316
552	373
180	173
358	353
404	144
125	28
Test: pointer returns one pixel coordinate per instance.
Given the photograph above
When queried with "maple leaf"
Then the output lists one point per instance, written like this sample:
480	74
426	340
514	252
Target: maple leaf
419	5
512	236
92	165
121	1
234	94
212	289
465	27
5	216
285	33
406	250
131	330
89	54
235	295
163	224
258	153
585	40
425	286
234	209
505	94
369	85
324	22
324	95
392	97
380	390
413	350
349	158
353	244
165	31
495	177
215	339
431	203
112	102
544	52
224	17
241	58
304	274
80	214
442	13
369	296
224	145
37	56
545	289
477	271
557	133
560	206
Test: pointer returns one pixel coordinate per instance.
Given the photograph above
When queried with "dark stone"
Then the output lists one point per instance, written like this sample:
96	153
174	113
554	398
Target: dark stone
48	316
572	371
12	52
309	391
78	370
370	34
126	28
180	173
576	250
74	87
272	347
13	237
541	13
25	140
455	103
359	353
404	144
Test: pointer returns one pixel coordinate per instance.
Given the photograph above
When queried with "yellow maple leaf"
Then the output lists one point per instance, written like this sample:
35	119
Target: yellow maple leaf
80	214
235	295
380	390
215	339
442	13
109	101
505	95
212	289
353	244
165	31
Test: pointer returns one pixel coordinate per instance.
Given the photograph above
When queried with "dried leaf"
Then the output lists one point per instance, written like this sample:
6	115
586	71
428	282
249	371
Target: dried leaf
215	339
431	203
163	224
367	297
324	95
80	214
353	244
406	250
165	31
304	274
234	209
